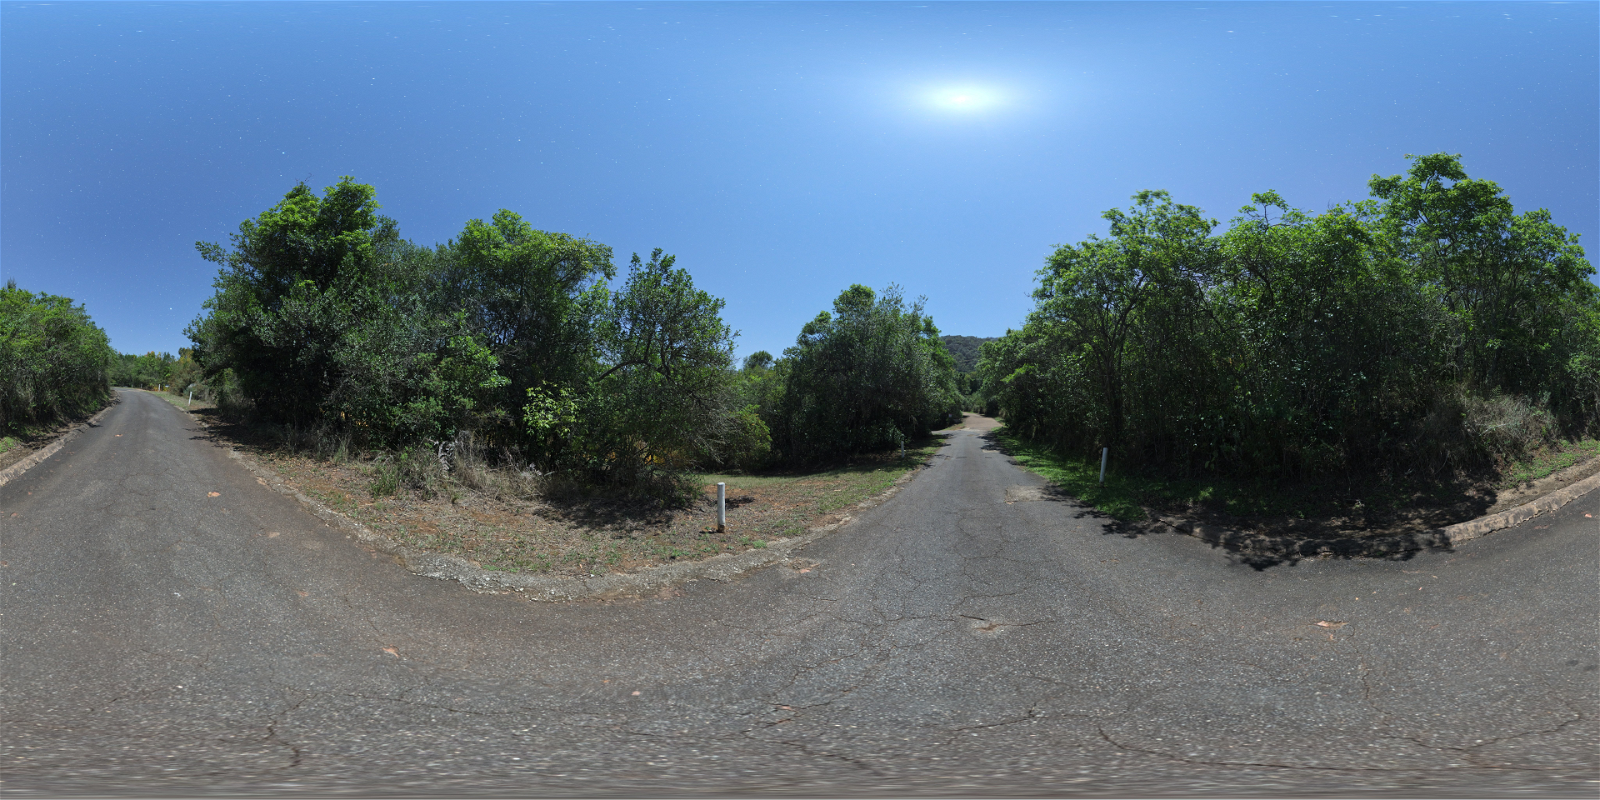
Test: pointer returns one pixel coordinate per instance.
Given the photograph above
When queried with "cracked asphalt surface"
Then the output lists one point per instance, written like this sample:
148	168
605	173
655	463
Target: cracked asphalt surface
161	641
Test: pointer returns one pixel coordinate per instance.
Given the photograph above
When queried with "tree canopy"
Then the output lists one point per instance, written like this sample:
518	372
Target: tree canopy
1377	334
53	359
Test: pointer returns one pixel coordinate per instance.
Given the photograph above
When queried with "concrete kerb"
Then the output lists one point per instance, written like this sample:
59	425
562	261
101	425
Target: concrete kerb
1382	546
15	470
724	567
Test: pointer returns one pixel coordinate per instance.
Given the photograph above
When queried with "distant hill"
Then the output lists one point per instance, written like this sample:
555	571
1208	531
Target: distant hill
965	350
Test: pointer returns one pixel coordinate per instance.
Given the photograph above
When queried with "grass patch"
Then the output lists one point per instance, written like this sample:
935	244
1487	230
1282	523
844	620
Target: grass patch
181	401
1548	461
1120	496
8	442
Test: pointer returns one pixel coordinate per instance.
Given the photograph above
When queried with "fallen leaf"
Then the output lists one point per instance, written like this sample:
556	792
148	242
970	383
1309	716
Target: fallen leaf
272	534
119	434
1327	624
302	594
1590	516
391	651
213	494
804	571
635	694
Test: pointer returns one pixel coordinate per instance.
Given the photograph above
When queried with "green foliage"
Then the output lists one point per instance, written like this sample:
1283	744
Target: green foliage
506	339
1515	285
535	299
1397	333
53	360
149	371
660	400
187	374
868	376
323	316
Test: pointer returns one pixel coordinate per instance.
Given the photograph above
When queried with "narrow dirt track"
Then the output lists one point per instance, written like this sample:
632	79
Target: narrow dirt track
160	641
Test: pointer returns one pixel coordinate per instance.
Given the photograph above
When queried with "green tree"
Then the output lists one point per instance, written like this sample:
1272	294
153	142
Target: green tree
298	281
661	400
325	316
533	297
1510	280
53	359
868	376
1391	334
1095	295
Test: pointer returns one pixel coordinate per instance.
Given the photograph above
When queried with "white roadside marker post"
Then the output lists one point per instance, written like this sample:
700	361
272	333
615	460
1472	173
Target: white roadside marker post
1104	451
191	398
722	506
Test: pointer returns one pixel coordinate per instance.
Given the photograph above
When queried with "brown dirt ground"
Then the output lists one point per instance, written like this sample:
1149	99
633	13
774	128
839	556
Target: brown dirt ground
586	535
978	422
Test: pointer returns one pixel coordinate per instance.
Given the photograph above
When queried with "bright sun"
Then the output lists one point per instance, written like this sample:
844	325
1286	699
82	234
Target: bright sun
962	98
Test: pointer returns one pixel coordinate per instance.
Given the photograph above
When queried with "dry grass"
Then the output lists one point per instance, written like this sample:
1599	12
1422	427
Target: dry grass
183	401
500	519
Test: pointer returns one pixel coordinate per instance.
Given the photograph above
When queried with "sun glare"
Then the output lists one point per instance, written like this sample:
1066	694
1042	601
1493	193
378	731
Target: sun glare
962	98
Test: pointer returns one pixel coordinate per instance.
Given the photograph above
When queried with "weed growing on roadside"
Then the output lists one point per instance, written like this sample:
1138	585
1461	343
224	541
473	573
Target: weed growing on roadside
1549	461
385	479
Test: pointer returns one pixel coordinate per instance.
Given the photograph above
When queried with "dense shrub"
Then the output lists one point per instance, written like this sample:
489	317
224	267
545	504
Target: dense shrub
868	376
507	338
188	376
659	402
322	315
53	360
1430	327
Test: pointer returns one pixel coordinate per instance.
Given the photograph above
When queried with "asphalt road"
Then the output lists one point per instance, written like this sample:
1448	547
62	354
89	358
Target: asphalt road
158	640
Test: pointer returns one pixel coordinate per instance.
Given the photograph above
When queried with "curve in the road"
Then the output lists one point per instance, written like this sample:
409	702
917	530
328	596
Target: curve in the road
157	639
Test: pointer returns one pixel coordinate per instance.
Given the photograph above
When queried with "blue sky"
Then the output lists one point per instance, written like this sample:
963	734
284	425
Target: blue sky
782	151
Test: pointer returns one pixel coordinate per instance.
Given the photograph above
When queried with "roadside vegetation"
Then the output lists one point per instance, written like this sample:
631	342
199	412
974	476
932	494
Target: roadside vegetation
965	351
1416	344
53	362
517	366
157	371
502	520
1325	508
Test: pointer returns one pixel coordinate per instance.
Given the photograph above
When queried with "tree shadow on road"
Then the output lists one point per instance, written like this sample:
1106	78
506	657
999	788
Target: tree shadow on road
1258	549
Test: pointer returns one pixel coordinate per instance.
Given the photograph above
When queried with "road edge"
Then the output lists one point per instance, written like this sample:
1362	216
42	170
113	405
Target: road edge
722	568
16	470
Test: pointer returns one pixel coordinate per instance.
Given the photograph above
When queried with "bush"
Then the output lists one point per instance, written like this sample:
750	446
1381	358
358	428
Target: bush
1429	328
324	320
53	360
869	376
